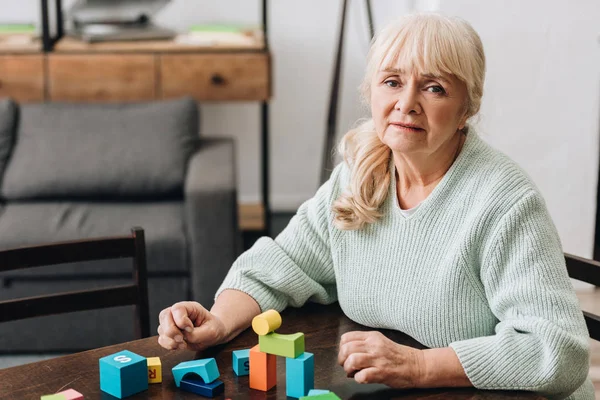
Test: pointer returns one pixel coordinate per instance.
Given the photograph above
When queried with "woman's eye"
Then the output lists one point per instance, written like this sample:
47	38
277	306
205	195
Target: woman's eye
436	89
392	83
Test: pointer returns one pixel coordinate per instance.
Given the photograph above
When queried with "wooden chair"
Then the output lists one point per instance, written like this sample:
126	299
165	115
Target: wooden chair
76	251
586	270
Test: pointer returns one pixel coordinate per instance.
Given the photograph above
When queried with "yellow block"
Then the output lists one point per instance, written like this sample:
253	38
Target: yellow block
266	322
154	370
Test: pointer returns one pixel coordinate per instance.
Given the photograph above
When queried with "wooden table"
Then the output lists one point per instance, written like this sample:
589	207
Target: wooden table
322	325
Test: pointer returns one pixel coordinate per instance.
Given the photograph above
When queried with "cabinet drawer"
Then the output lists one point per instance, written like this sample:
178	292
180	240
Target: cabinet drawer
215	76
101	78
22	77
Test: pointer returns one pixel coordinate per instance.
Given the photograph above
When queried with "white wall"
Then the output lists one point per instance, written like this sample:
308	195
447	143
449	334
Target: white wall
541	104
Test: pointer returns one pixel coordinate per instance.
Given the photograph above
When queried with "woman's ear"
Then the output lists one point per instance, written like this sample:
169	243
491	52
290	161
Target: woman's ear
462	123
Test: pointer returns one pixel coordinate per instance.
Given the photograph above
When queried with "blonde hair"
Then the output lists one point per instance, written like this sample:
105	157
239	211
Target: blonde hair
426	43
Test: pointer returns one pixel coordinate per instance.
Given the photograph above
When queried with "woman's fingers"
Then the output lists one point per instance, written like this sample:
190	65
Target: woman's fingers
187	314
357	362
170	336
353	336
351	348
367	375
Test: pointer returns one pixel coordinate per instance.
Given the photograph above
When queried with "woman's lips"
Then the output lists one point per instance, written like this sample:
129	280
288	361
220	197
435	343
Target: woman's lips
406	127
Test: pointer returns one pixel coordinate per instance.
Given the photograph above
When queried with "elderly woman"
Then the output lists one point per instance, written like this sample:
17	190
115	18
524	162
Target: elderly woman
425	229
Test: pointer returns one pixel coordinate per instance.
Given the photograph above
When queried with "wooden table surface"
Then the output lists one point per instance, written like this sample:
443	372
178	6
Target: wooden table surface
322	326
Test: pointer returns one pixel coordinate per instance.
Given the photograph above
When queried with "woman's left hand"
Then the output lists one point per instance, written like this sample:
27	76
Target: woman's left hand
373	358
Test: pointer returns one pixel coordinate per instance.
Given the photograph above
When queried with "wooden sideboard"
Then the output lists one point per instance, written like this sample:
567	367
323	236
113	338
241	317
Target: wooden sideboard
139	71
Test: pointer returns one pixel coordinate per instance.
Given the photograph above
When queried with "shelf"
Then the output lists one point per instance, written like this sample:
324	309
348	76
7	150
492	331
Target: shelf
251	217
72	45
20	43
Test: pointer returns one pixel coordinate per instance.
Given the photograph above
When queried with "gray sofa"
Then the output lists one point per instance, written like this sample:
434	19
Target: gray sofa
70	171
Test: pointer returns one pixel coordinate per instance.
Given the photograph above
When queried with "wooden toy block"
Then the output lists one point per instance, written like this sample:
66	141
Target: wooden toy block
282	345
299	375
56	396
123	374
72	394
266	322
324	396
197	385
241	362
314	392
154	370
206	369
263	370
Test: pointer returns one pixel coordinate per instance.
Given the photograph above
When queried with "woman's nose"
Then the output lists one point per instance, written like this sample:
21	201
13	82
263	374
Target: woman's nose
408	101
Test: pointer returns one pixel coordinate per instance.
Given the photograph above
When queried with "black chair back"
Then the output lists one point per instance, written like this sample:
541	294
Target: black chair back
131	246
586	270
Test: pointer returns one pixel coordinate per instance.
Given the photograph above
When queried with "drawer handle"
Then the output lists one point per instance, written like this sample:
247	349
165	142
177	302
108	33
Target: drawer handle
217	80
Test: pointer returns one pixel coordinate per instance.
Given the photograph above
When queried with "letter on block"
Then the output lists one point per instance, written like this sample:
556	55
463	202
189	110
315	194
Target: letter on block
72	395
325	396
241	362
263	370
154	370
282	345
205	369
299	375
123	374
266	322
197	385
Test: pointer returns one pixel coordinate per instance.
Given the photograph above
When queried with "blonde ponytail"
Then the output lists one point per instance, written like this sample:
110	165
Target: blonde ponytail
369	161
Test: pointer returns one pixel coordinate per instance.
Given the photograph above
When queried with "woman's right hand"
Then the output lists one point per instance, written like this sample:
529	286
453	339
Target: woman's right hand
189	325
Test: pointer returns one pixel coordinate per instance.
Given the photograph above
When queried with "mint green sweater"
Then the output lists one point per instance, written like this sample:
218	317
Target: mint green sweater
478	267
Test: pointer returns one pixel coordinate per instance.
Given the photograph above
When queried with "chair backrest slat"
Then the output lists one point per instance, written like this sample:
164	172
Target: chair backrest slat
136	294
588	271
66	252
38	306
593	324
583	269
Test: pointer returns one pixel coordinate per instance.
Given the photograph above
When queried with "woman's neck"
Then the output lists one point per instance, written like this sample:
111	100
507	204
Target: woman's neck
418	175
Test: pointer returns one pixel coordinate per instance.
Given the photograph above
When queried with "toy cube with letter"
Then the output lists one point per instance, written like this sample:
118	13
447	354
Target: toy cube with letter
154	370
123	374
241	362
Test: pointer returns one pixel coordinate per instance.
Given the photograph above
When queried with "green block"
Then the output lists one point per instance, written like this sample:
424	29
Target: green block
290	346
57	396
325	396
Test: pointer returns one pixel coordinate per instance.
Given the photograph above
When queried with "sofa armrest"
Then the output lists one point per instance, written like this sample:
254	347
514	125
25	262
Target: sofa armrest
211	216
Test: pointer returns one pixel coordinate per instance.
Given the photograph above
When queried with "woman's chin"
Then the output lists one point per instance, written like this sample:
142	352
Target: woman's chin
403	144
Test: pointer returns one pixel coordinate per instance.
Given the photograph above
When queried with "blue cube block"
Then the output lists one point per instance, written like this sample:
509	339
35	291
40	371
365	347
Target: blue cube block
206	369
316	392
300	375
197	385
123	374
241	362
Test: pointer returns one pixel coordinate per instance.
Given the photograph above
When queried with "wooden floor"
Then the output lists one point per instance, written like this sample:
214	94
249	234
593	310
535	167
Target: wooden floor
590	301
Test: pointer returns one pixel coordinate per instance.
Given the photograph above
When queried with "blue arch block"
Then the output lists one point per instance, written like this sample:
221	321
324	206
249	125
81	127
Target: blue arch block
300	375
205	369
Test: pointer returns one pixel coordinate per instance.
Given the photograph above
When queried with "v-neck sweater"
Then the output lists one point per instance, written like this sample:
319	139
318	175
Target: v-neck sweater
478	267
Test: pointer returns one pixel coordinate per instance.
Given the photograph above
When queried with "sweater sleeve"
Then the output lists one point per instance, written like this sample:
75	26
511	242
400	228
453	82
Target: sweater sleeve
541	342
294	267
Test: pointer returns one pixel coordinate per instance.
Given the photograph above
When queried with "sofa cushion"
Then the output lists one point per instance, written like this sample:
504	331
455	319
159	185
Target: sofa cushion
111	150
8	118
39	222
